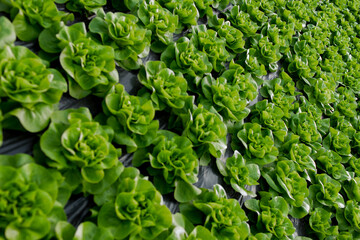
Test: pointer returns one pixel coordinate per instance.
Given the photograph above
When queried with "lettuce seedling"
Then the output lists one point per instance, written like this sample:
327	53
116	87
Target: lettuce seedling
81	149
123	32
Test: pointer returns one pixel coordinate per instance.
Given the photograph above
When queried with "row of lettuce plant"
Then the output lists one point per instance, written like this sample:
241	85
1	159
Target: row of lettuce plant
299	142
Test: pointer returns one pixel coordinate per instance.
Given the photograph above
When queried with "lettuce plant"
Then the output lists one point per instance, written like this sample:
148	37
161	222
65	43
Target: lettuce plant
300	154
281	92
269	116
338	141
85	231
233	36
183	57
223	217
303	125
207	132
247	85
125	35
173	163
224	97
131	117
186	11
90	6
272	215
168	90
256	144
242	21
348	219
325	192
330	162
268	52
184	229
28	196
207	41
30	17
320	223
204	7
160	21
31	89
238	173
81	149
90	67
132	208
286	181
251	61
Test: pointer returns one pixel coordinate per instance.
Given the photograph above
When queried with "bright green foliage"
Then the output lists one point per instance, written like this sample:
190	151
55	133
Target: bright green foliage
238	173
325	192
182	56
207	132
224	97
285	180
270	116
30	17
83	5
132	208
30	88
160	21
242	21
171	159
272	215
81	149
90	67
206	40
320	223
168	90
338	141
125	35
186	11
28	194
256	144
131	118
223	217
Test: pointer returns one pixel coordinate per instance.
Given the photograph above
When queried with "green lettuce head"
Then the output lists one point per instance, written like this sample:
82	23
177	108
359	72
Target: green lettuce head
125	35
28	194
133	209
173	162
90	67
90	6
207	132
238	173
320	223
131	117
160	21
183	57
223	217
256	143
81	149
31	88
169	90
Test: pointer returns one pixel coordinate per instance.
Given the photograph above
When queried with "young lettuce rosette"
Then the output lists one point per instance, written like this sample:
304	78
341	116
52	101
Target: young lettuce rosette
338	142
81	150
325	192
28	196
207	41
223	217
242	21
90	67
348	218
270	116
272	215
130	40
182	56
160	21
256	144
224	97
186	11
133	209
285	180
168	90
238	173
31	88
131	117
320	222
89	6
173	163
31	17
207	131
